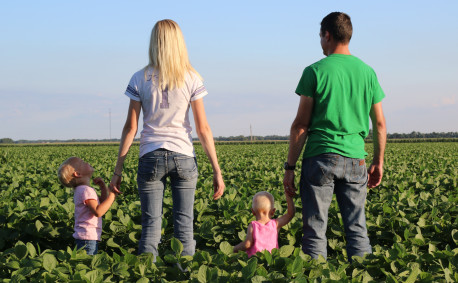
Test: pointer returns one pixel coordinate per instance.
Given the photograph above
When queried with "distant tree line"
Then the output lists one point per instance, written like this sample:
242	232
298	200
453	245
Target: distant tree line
418	135
412	135
448	136
252	138
6	140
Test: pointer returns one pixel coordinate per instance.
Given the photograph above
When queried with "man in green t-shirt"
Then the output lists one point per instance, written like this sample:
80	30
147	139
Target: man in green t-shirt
338	94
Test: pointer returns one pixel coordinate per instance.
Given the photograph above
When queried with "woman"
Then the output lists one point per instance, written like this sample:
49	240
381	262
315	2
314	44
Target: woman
164	89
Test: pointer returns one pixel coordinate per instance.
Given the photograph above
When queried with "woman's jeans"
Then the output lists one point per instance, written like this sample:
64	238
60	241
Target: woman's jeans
90	246
322	176
153	170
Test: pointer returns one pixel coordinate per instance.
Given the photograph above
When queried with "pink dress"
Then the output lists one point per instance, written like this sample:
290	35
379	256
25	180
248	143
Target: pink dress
87	225
265	237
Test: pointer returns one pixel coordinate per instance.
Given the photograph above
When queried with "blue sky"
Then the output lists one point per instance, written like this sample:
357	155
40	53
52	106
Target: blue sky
66	64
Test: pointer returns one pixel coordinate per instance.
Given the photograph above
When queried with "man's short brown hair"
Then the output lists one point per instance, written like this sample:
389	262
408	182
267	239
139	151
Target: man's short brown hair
338	25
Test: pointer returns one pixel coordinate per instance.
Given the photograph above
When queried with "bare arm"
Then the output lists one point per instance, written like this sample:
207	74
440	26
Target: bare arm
206	139
286	218
297	138
100	209
243	246
103	188
128	134
375	170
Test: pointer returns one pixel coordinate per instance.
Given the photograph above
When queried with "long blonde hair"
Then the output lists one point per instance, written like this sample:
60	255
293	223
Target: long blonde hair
168	55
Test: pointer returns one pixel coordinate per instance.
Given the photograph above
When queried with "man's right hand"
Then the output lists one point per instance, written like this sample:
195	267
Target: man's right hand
288	183
375	174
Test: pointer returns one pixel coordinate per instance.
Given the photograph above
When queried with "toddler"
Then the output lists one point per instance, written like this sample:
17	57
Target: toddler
262	234
77	174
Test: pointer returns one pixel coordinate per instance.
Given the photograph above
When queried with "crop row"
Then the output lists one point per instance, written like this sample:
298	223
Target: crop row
412	220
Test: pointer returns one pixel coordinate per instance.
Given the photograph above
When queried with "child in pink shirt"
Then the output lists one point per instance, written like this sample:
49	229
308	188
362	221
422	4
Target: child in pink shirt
262	234
77	174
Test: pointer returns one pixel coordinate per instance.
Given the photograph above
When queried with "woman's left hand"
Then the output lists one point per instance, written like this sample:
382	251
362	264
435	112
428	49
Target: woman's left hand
218	185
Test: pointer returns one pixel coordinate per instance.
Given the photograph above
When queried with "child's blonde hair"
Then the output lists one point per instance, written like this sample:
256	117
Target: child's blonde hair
263	201
66	170
168	55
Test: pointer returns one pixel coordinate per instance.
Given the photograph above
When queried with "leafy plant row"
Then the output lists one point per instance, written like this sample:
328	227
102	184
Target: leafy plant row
412	221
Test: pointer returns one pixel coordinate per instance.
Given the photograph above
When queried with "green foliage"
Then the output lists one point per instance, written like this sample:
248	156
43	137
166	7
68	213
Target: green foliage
411	218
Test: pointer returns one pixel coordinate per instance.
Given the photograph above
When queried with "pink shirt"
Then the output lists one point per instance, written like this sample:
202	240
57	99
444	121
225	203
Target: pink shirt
265	237
87	225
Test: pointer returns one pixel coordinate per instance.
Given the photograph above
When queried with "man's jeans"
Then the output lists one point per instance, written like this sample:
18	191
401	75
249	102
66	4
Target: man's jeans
153	170
90	246
322	176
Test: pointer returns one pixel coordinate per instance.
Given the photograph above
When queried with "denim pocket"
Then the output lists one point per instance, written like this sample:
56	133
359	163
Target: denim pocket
358	172
147	169
186	167
320	170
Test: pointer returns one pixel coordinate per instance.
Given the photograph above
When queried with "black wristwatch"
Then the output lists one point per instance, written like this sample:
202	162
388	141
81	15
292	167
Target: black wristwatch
289	167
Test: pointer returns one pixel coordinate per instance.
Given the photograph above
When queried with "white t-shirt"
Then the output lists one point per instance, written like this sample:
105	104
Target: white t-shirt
165	113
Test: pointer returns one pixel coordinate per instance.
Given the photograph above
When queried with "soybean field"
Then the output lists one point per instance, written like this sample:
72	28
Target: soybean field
411	218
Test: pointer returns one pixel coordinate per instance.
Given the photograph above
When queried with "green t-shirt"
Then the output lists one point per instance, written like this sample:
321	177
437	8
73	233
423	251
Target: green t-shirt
343	89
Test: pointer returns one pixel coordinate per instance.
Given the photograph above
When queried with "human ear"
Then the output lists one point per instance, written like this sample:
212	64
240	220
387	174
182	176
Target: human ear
76	174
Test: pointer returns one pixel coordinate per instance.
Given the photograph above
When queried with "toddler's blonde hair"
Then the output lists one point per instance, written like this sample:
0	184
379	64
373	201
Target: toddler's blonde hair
263	201
66	170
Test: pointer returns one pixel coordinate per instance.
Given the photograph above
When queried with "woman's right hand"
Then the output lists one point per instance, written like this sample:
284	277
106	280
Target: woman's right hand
218	185
115	184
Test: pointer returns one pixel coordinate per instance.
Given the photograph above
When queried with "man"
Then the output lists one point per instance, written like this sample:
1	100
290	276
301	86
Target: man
338	94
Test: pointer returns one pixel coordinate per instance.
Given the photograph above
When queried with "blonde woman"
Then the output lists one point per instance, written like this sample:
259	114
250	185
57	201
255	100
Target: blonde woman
164	90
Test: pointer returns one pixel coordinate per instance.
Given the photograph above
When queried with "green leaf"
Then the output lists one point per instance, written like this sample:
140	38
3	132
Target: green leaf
421	222
20	205
112	244
121	269
13	264
31	249
226	248
260	270
242	235
170	258
44	202
132	237
296	267
20	251
38	225
143	280
386	208
455	236
258	279
286	251
177	246
100	261
202	274
413	275
268	257
94	276
249	270
49	262
406	234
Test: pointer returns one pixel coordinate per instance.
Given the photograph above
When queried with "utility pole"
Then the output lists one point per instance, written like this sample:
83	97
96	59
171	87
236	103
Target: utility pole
251	134
109	114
